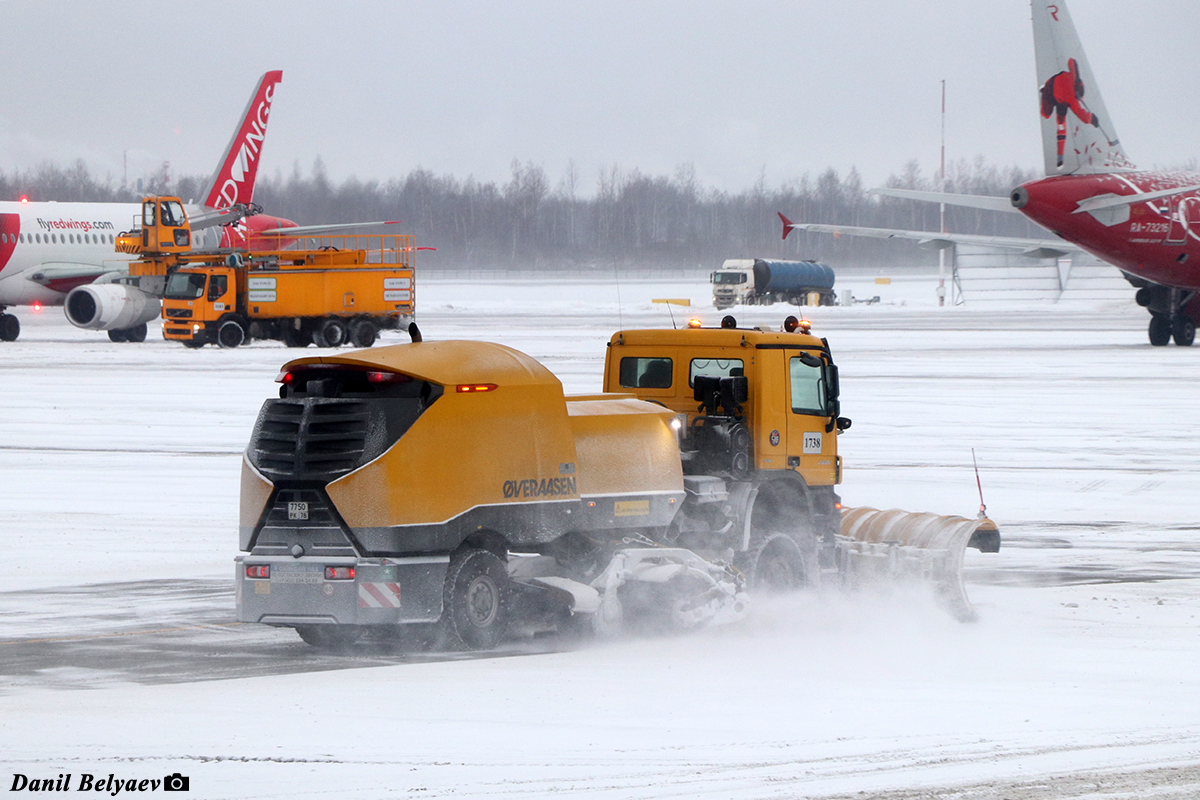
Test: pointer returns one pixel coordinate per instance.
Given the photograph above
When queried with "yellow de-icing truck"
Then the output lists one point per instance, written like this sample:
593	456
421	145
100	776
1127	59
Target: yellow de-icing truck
454	483
324	297
326	290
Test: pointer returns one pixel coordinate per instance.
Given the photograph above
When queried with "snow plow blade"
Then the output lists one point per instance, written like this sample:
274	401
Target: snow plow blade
916	547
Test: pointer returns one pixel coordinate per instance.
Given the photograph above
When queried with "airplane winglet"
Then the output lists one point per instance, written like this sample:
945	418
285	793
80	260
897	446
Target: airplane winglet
787	224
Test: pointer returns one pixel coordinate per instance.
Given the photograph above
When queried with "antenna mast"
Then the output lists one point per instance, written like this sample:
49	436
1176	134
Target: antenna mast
941	290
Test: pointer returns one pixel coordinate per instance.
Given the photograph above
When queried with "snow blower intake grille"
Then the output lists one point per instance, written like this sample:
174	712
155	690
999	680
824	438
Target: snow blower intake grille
316	438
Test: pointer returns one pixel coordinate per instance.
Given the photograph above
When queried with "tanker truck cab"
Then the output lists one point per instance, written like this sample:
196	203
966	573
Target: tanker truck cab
733	283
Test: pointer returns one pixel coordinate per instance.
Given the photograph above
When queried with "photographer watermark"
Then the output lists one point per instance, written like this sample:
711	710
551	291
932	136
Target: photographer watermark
90	783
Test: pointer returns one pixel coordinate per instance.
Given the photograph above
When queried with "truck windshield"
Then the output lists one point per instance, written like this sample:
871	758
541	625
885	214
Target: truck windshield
184	286
808	389
729	277
172	213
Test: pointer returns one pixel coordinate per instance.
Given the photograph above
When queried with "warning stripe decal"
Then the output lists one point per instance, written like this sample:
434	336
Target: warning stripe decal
379	595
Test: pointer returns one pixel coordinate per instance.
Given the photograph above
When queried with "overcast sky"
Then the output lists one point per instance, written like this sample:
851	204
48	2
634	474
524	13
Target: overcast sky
734	88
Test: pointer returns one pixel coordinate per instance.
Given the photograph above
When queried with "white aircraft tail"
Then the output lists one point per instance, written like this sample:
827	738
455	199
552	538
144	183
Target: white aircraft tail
233	181
1077	133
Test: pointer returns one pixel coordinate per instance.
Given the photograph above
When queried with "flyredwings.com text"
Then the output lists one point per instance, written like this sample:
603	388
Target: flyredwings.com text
89	783
72	225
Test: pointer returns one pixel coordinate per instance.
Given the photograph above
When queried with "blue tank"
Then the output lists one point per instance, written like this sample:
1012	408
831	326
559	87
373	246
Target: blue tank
792	277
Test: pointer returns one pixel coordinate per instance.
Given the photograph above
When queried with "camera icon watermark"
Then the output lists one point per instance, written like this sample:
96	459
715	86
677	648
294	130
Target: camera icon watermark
177	783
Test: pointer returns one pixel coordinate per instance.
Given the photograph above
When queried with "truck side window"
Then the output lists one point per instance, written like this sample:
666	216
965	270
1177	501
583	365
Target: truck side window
716	367
646	373
217	284
808	389
148	213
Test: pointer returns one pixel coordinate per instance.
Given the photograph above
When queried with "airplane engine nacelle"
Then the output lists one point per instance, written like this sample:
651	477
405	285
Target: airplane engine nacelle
109	306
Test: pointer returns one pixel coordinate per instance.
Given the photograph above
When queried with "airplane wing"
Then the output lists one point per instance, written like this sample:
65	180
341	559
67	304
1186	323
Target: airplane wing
1030	248
65	277
1096	203
309	230
968	200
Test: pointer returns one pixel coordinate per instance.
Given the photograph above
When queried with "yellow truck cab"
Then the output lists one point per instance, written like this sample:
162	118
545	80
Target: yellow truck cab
758	417
780	388
161	228
198	300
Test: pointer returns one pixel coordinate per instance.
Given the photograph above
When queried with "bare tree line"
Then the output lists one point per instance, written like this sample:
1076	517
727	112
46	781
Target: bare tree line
632	219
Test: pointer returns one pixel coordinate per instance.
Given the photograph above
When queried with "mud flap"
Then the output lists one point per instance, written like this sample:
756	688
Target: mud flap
913	547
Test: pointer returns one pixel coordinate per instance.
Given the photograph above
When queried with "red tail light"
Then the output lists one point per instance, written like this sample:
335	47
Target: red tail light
387	377
339	573
258	571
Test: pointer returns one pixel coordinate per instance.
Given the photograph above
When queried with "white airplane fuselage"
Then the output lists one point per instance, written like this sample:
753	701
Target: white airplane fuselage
47	248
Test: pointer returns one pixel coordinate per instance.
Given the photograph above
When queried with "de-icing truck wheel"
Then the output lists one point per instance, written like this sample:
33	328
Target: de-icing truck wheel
774	564
477	599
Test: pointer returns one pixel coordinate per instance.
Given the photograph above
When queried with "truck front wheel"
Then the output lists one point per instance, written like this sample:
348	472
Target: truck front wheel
231	333
477	599
774	564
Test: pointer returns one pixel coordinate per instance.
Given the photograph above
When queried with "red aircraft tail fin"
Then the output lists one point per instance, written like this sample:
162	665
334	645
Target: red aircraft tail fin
787	224
233	181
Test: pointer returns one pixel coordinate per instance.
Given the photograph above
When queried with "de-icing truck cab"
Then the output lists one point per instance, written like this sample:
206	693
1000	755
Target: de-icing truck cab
454	483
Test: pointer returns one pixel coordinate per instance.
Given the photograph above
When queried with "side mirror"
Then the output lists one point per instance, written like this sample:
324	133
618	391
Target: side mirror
843	423
833	386
807	359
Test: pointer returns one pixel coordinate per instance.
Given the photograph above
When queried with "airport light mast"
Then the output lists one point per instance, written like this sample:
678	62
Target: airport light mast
941	290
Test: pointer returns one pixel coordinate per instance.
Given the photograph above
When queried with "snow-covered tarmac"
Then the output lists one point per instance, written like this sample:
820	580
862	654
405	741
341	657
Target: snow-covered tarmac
118	502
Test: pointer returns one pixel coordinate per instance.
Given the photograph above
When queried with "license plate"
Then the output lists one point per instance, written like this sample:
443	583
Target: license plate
297	573
297	510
